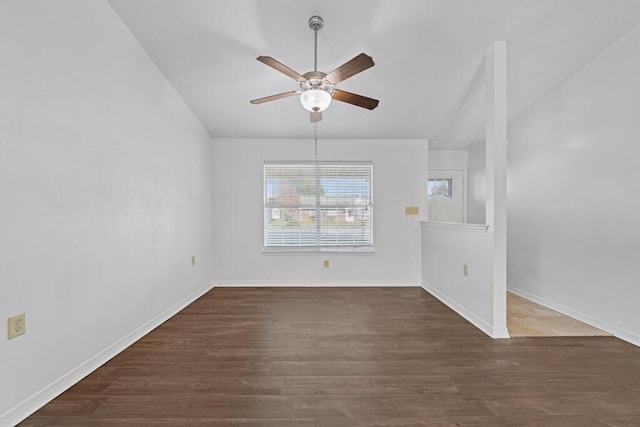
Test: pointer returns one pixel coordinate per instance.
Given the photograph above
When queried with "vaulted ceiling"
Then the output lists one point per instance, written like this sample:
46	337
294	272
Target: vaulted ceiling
428	53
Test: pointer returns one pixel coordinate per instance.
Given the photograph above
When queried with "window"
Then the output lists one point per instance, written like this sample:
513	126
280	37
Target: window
440	188
325	206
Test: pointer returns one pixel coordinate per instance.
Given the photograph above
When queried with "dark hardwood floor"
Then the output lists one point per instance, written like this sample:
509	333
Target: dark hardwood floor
349	357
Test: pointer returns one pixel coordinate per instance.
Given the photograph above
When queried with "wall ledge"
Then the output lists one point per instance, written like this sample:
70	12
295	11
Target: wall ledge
469	228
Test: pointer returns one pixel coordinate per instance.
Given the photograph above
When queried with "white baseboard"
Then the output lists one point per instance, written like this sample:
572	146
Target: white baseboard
310	283
468	315
42	397
499	333
621	333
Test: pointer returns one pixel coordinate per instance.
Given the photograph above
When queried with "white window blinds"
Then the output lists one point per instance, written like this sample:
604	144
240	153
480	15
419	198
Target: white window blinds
318	205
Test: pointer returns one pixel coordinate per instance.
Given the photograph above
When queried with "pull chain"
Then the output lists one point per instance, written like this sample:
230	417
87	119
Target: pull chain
315	139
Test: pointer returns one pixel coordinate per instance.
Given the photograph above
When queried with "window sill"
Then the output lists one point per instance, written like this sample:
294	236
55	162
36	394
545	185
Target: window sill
312	251
476	228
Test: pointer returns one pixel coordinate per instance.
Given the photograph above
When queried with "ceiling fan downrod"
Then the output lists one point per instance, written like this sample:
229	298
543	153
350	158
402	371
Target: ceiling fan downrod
315	23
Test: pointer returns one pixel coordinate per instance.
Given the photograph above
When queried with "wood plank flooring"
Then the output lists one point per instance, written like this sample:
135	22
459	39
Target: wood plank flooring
525	318
349	357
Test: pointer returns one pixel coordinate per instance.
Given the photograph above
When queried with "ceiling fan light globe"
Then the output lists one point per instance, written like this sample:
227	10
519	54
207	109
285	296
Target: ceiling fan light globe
315	100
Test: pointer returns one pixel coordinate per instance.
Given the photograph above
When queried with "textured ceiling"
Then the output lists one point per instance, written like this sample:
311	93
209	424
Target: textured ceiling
428	53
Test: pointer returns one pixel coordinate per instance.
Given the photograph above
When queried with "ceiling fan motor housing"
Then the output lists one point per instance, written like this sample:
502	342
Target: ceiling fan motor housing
315	80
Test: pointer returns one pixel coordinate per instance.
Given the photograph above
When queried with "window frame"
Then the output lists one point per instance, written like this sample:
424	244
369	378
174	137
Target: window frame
319	207
447	183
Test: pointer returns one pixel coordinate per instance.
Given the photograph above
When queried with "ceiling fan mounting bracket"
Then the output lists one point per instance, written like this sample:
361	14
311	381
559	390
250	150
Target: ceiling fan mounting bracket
316	23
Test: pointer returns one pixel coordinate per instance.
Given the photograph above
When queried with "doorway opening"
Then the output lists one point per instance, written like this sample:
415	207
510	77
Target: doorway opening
447	195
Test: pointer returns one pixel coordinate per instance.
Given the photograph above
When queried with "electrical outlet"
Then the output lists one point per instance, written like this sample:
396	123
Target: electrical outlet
326	263
465	269
193	260
17	326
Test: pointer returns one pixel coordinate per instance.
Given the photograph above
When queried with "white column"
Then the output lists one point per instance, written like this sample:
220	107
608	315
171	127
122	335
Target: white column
424	200
496	165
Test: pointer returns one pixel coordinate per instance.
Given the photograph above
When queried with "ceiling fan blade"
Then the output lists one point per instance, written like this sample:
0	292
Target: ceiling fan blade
316	116
355	99
274	97
350	68
277	65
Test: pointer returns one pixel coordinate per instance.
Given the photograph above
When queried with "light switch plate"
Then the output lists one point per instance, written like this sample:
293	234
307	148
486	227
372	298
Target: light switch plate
411	210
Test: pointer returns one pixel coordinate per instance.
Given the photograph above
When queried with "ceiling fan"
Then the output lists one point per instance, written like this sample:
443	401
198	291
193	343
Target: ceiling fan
317	88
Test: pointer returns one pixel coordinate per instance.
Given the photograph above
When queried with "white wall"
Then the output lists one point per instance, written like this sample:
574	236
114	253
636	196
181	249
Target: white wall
479	293
446	248
448	159
476	185
400	169
574	233
105	194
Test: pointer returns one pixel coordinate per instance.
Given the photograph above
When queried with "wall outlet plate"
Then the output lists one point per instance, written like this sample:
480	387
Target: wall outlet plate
326	263
17	326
